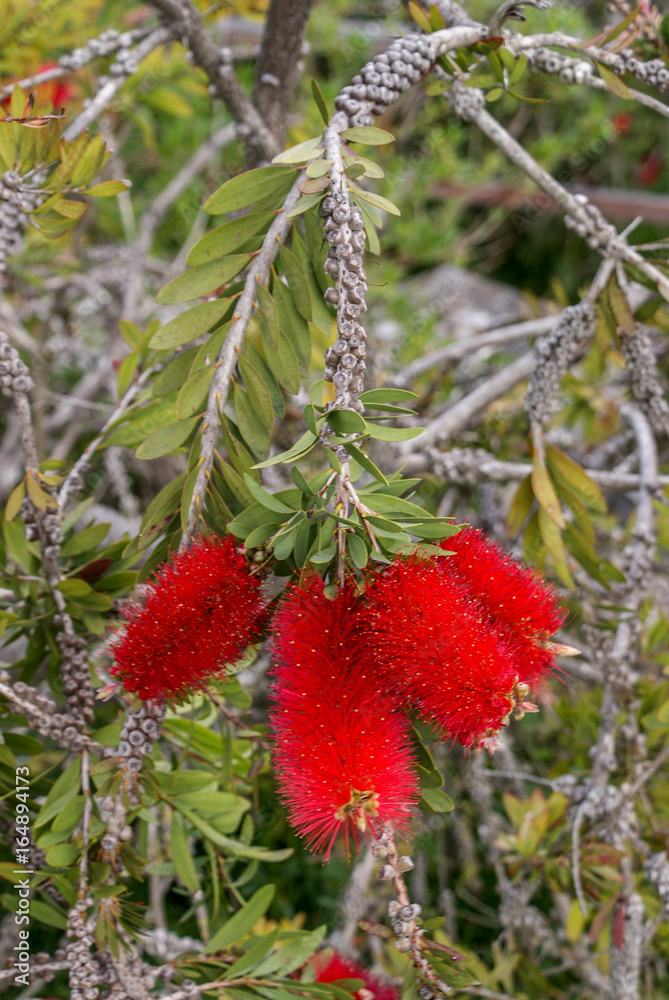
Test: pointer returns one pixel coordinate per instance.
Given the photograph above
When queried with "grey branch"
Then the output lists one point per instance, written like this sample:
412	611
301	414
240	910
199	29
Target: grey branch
459	414
474	464
185	19
108	91
588	222
227	357
498	337
277	67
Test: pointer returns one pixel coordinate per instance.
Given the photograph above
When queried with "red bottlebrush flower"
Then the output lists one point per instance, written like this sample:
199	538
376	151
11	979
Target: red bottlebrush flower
434	645
341	749
198	615
513	597
329	967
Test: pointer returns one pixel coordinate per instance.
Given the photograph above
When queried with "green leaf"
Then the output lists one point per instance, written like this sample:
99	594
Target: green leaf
576	477
520	507
283	365
242	922
436	800
519	69
255	954
368	135
85	541
259	363
385	395
202	280
297	281
324	556
267	499
268	318
614	83
320	102
294	954
346	421
291	324
306	202
301	448
107	188
228	238
248	188
17	547
301	153
312	185
545	493
193	394
383	433
357	550
39	497
175	373
420	17
15	500
364	461
253	431
258	393
167	439
378	201
190	324
181	855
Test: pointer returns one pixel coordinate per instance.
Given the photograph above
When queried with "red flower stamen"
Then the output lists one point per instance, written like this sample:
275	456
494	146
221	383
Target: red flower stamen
436	648
514	597
341	749
197	616
329	967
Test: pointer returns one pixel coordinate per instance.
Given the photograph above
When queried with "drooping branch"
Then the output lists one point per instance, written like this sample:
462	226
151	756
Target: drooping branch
227	356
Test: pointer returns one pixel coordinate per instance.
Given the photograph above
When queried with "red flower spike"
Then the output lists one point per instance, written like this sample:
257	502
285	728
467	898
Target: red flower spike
515	598
341	751
329	967
198	615
435	646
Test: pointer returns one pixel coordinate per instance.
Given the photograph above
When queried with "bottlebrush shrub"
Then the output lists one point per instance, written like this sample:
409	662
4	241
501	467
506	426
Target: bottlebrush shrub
197	616
341	750
329	967
437	648
513	596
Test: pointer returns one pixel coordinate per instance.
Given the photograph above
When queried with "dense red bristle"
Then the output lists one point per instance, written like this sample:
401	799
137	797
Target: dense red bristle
197	615
336	732
439	652
516	599
329	967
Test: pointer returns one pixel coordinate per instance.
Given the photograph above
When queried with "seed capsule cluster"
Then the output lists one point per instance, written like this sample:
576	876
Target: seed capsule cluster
16	200
42	713
588	222
382	80
84	970
102	47
644	377
555	352
74	670
379	83
654	73
403	914
141	730
343	228
14	377
656	870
